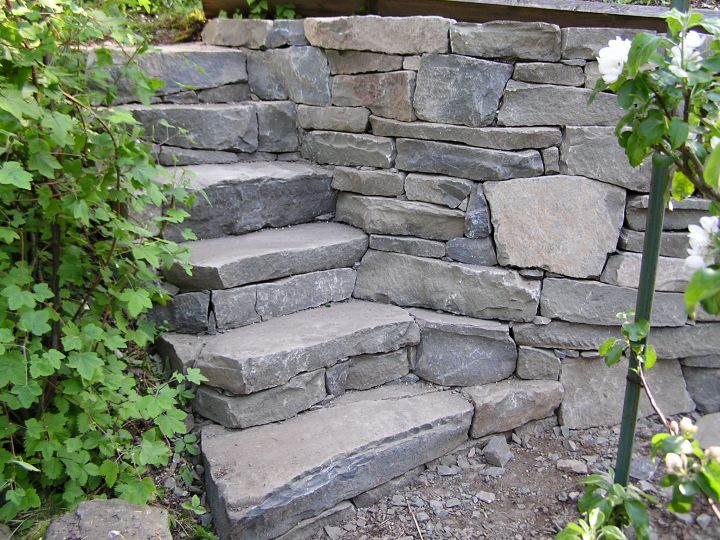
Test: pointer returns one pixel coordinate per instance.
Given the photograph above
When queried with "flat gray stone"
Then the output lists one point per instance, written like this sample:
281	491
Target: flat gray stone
223	263
586	43
336	379
408	245
393	216
549	73
540	238
173	156
230	93
469	103
477	216
592	74
507	405
465	161
514	138
186	313
476	291
368	182
186	97
707	361
497	452
709	430
442	190
286	32
370	370
594	152
535	363
352	119
672	244
386	94
312	462
272	405
277	131
479	251
507	39
553	105
307	528
353	62
391	35
684	213
588	382
703	384
249	33
551	160
349	149
460	351
624	269
235	307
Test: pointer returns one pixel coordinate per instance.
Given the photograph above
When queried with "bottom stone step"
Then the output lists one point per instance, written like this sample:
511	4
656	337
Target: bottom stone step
263	481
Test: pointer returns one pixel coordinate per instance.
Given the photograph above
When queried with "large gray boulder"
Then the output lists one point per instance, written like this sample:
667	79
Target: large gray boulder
386	94
507	39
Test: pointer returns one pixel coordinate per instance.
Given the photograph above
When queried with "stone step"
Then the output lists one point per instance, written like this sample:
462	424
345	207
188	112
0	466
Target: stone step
264	480
244	197
224	263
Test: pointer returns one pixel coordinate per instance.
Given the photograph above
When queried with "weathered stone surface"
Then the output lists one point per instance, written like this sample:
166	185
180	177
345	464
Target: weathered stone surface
535	428
277	131
336	379
393	216
551	160
466	162
172	156
595	153
235	307
314	461
624	269
535	363
548	104
469	103
385	94
708	361
497	452
703	384
299	73
352	119
684	213
588	382
252	358
223	263
93	519
368	182
540	238
352	62
211	127
388	488
186	313
437	189
514	138
672	244
348	149
510	404
187	97
307	528
391	35
304	291
460	351
592	302
549	73
272	405
709	430
592	74
476	291
286	32
507	39
479	251
369	370
248	33
230	93
245	197
477	216
586	42
407	245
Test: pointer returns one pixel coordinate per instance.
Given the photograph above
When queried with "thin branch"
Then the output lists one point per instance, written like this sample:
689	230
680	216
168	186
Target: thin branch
417	526
650	396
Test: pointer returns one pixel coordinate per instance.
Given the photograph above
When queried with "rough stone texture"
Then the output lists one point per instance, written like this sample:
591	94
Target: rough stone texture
709	430
245	197
585	43
230	93
233	308
460	351
368	182
507	39
390	35
211	127
476	291
469	103
592	74
336	379
515	138
371	370
477	216
93	519
248	33
286	32
595	153
551	160
186	313
407	245
252	358
592	302
479	251
465	161
299	73
307	528
272	405
348	149
540	238
352	62
548	105
186	97
276	127
223	263
684	213
393	216
314	461
588	382
385	94
497	452
510	404
672	244
535	363
624	269
388	488
548	73
703	384
352	119
437	189
172	156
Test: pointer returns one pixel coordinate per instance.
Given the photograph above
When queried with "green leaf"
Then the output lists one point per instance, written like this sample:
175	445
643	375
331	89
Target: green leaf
46	364
703	284
650	357
35	322
606	346
13	174
18	298
137	301
615	354
637	512
153	452
136	490
41	160
678	132
643	46
195	376
636	331
60	126
682	187
86	364
712	169
24	465
109	470
709	485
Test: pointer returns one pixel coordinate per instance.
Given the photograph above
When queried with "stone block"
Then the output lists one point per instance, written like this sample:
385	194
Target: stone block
181	98
469	103
623	269
353	62
336	379
707	361
352	119
477	216
549	73
186	313
551	160
592	74
368	182
437	189
286	32
248	33
277	131
585	43
479	251
412	62
507	39
703	384
540	238
672	244
535	363
173	156
385	94
230	93
369	370
684	213
235	307
348	149
408	245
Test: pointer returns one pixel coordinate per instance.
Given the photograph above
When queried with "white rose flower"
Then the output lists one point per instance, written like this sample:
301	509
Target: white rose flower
701	252
611	59
687	426
694	40
680	57
673	462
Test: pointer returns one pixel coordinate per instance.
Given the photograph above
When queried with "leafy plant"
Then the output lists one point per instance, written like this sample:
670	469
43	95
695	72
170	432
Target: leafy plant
286	11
